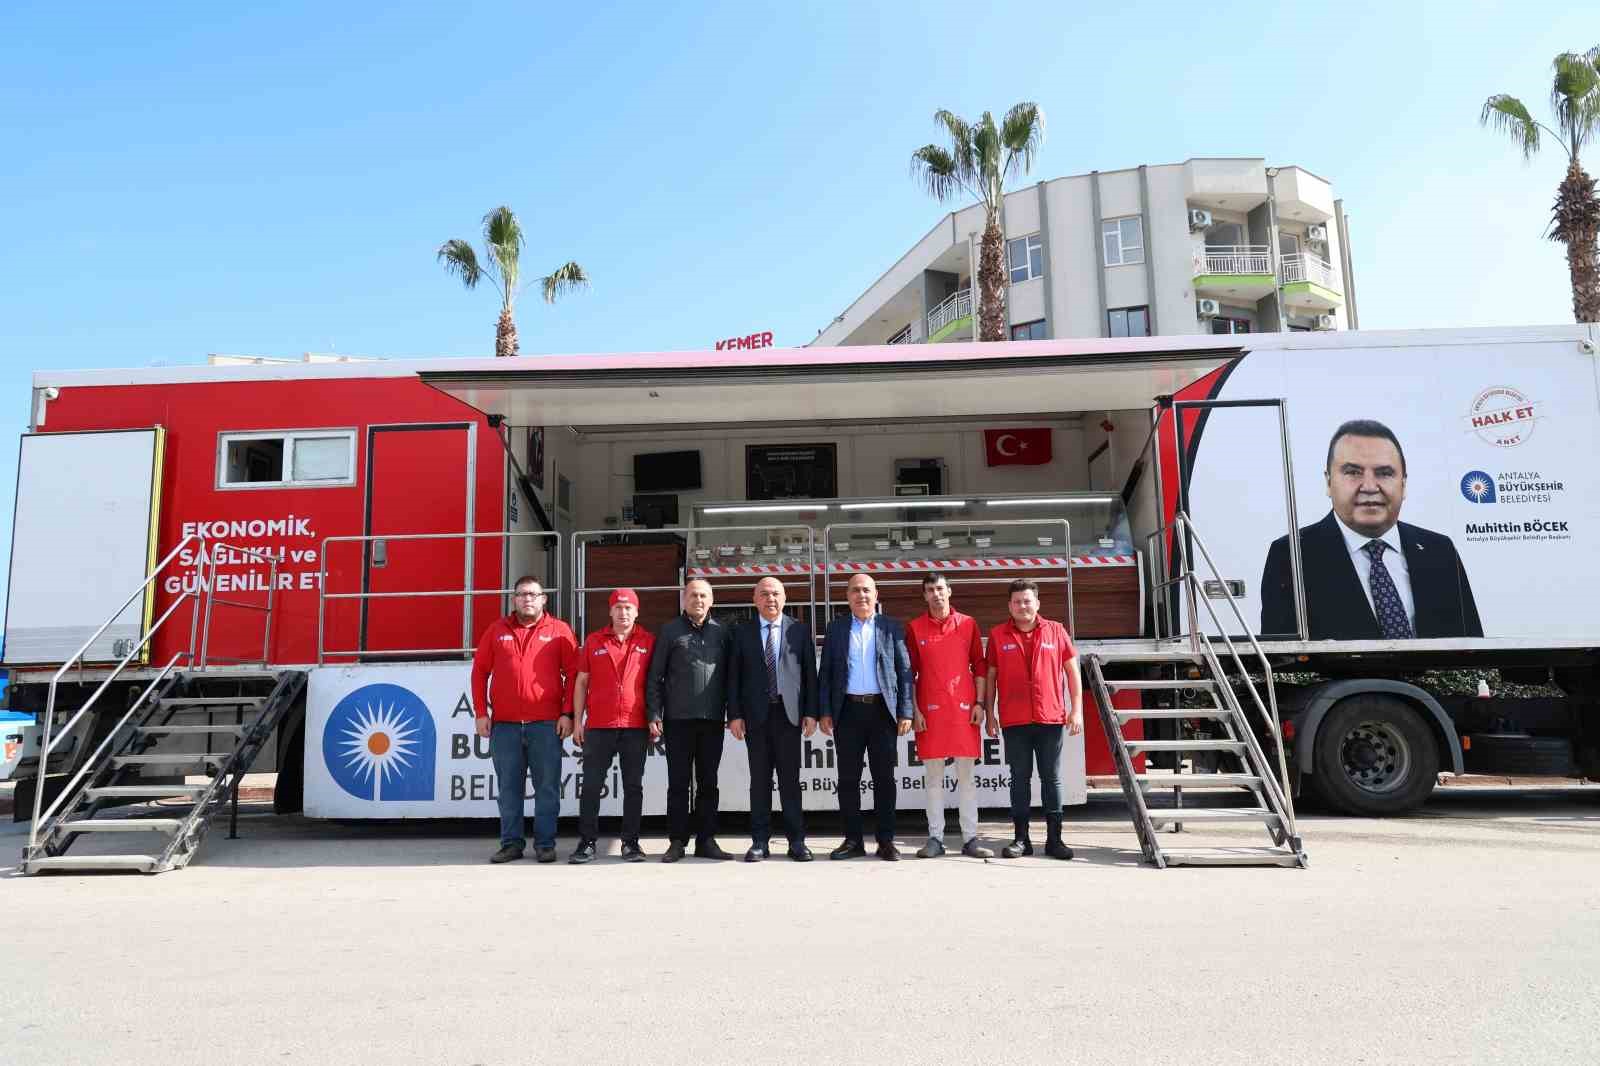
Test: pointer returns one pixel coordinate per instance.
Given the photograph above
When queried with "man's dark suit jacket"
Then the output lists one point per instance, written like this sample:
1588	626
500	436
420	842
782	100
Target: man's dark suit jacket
747	673
895	681
1336	604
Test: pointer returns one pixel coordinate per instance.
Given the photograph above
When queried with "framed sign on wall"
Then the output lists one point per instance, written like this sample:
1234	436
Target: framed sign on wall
791	471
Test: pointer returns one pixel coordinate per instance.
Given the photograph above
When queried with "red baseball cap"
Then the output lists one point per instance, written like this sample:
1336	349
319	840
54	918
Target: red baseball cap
624	596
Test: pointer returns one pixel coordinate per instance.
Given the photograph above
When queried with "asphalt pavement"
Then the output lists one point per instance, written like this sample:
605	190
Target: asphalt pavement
1468	932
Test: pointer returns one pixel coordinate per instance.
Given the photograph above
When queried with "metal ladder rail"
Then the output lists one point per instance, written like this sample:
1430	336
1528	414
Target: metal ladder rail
95	764
1269	710
1238	727
1138	810
225	783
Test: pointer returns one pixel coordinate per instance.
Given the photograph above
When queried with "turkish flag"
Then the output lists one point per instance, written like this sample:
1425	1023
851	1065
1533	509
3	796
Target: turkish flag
1016	447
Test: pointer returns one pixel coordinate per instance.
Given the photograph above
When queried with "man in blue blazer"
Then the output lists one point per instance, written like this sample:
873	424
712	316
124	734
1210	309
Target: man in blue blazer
772	701
867	687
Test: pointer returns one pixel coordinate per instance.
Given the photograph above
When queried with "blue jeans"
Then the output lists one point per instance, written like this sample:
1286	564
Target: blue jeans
1027	746
519	749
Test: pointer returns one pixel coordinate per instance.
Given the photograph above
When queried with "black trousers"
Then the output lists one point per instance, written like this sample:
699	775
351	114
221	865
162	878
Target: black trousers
774	745
600	746
1027	746
694	752
866	729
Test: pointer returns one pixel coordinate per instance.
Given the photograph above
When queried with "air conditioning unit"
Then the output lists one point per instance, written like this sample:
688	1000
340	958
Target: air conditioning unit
1316	233
1207	308
1199	219
1325	322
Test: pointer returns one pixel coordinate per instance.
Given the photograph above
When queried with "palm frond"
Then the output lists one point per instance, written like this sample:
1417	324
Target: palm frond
956	127
502	235
459	259
1575	96
935	169
1022	133
564	279
1510	116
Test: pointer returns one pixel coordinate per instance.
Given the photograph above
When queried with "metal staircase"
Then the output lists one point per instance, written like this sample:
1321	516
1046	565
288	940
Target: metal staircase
199	722
1219	735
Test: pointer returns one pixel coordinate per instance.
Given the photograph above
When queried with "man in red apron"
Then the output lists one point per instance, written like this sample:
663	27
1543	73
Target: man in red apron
1032	664
947	659
609	722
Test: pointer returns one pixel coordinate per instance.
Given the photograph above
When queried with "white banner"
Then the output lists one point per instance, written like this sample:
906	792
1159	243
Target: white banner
397	741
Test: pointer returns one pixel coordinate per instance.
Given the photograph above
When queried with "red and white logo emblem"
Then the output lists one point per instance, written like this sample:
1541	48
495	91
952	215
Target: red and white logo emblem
1502	416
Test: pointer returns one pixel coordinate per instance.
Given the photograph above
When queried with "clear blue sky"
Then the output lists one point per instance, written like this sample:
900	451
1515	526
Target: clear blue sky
185	178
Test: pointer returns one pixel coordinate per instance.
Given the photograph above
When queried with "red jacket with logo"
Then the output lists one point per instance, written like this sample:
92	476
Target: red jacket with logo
616	669
524	672
1031	673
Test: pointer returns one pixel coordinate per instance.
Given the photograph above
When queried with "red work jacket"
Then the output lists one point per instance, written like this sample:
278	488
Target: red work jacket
1031	672
616	670
947	658
524	671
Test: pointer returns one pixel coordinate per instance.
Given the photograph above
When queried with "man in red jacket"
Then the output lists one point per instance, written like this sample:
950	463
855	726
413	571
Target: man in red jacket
521	700
608	720
1033	663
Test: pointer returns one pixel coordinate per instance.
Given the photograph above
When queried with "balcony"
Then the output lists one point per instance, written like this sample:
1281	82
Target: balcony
1309	284
1241	273
952	319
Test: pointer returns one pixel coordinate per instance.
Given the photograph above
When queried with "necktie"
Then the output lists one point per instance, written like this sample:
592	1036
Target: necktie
771	650
1385	598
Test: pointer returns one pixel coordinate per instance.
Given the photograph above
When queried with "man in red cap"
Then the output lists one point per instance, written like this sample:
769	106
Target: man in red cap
608	719
1038	697
521	701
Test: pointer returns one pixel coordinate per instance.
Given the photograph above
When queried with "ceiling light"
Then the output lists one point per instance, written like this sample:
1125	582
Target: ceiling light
1065	501
766	508
895	505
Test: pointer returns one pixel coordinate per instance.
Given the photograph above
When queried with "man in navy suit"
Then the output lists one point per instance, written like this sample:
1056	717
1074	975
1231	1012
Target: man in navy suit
867	686
1368	575
772	701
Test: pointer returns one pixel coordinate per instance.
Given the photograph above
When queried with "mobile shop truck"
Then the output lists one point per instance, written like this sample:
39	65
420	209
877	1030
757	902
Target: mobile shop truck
285	565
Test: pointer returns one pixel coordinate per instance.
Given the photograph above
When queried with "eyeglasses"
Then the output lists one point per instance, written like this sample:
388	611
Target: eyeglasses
528	595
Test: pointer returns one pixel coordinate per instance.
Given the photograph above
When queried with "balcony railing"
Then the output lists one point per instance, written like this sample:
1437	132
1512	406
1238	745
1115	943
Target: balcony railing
903	337
955	306
1233	259
1304	266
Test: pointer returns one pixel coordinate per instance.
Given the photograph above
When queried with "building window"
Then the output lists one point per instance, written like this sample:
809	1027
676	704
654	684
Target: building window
1230	325
1025	255
1129	321
1124	241
303	458
1028	331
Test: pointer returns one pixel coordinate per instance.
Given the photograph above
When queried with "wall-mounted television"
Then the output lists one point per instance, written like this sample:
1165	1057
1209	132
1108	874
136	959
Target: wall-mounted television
666	471
655	510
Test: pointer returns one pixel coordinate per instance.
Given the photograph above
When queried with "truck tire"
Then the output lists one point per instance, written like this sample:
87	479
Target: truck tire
1374	756
1521	756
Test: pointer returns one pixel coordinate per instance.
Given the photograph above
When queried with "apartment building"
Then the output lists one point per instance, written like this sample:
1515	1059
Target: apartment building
1206	246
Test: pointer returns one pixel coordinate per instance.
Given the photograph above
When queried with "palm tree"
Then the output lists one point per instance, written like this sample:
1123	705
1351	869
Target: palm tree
502	245
1575	220
980	160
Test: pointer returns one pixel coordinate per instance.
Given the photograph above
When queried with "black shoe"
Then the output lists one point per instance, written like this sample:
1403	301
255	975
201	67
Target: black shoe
709	849
1057	850
1017	848
545	854
975	850
850	849
800	853
509	853
888	852
757	853
632	852
583	854
674	853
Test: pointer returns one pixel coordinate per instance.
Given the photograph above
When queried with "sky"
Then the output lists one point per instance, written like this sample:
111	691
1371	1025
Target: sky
272	179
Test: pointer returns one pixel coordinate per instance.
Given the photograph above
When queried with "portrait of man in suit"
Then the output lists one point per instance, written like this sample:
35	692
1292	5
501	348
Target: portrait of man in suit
1368	575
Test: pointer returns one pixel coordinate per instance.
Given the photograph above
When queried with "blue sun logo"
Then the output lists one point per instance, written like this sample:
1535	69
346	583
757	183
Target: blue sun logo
1477	487
380	744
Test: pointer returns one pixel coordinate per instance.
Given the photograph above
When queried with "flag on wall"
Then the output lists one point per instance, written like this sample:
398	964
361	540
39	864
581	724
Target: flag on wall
1016	447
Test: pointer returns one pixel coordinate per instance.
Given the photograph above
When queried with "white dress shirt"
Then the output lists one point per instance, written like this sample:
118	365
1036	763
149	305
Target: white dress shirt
1393	561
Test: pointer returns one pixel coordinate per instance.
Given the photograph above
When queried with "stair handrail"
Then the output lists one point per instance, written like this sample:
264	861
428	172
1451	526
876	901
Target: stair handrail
46	743
1197	595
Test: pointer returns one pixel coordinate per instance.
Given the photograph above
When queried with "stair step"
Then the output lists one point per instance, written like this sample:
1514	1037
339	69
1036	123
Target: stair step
193	730
145	791
140	863
1153	713
1200	684
123	825
172	759
1145	655
1213	814
1237	747
1199	781
212	701
1231	857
